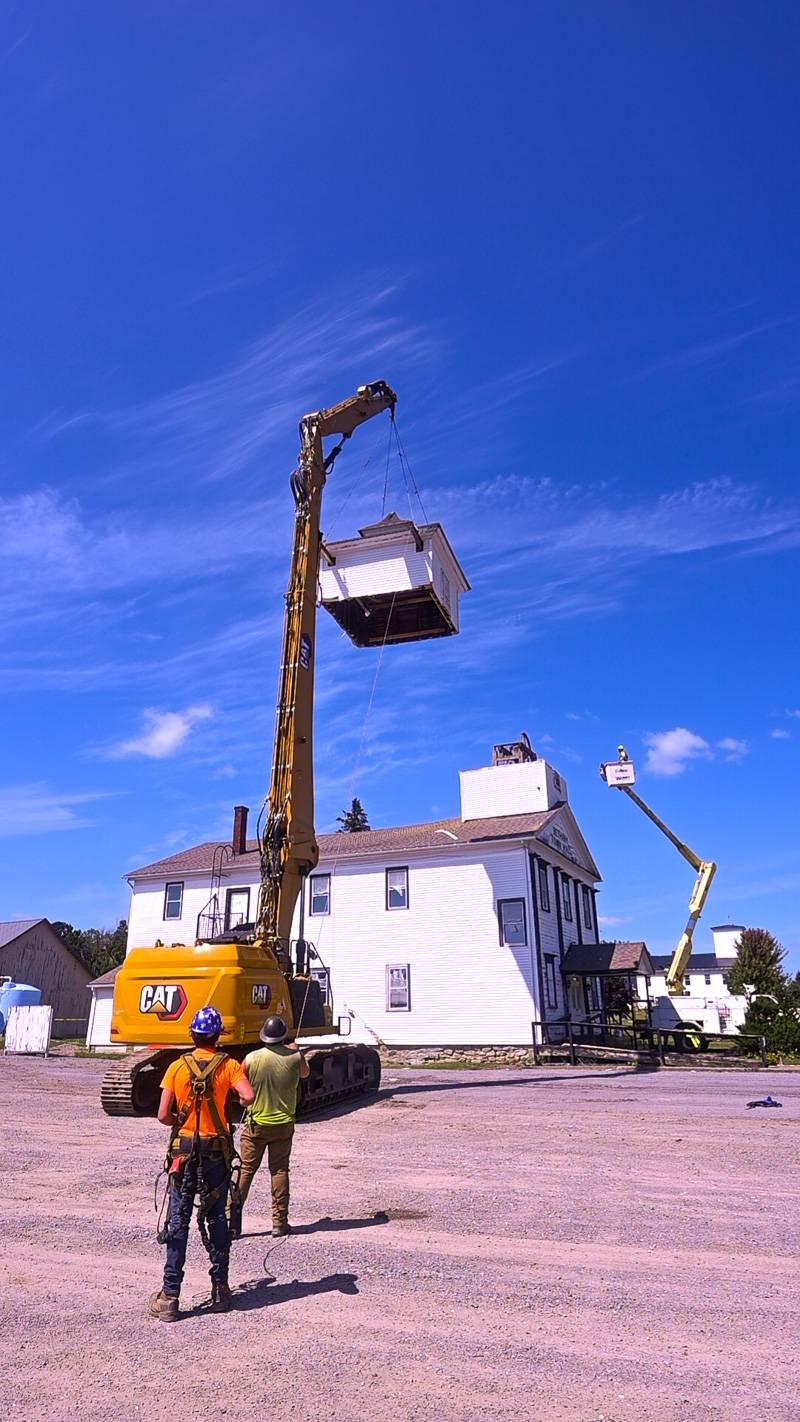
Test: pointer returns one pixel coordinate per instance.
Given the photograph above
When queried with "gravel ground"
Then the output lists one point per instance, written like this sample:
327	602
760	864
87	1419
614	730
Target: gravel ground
548	1244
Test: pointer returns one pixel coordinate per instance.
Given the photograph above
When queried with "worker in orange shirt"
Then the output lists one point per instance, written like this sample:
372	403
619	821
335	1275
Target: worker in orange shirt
194	1095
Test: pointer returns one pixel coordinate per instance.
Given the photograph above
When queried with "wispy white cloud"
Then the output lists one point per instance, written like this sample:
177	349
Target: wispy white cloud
163	734
611	920
599	244
669	752
35	808
705	351
223	425
778	733
733	748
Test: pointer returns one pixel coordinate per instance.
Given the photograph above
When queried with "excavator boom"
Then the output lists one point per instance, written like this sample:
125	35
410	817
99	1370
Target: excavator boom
288	846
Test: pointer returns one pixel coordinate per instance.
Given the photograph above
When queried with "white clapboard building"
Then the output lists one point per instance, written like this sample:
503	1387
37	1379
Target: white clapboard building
445	933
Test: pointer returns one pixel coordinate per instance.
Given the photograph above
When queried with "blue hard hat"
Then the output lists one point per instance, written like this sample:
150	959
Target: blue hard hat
207	1022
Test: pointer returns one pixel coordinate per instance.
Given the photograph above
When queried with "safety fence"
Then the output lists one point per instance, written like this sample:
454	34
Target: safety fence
657	1045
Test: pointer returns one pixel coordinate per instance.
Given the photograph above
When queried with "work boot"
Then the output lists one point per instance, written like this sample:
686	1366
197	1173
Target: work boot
280	1229
164	1306
221	1298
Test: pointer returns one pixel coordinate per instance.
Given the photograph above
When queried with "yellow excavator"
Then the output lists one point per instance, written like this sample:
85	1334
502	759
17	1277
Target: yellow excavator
249	975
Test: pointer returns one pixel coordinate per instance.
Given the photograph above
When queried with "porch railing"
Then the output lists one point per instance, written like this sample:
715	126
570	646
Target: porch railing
652	1042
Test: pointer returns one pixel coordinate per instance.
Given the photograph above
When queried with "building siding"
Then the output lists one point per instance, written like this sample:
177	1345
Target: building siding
40	958
466	987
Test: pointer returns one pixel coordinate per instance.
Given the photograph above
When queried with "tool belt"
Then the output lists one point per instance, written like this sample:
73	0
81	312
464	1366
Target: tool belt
206	1145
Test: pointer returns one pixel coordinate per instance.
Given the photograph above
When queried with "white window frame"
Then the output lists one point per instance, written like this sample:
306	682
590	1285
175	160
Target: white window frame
586	894
501	904
173	917
397	869
395	989
312	880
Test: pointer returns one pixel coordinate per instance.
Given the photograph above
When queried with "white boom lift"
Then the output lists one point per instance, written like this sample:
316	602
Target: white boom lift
621	775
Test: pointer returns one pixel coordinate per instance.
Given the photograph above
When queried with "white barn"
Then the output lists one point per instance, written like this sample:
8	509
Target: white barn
445	933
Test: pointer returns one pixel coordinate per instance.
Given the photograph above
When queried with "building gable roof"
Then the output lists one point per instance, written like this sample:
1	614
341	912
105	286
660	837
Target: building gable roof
698	963
398	839
105	980
13	929
575	848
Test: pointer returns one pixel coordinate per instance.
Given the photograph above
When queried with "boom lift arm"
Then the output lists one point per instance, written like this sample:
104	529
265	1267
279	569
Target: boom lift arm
287	843
620	775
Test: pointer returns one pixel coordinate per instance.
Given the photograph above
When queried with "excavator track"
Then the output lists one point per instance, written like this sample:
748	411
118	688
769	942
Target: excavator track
131	1086
338	1074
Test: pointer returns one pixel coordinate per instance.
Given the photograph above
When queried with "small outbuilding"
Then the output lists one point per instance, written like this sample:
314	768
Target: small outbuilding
397	582
98	1033
32	952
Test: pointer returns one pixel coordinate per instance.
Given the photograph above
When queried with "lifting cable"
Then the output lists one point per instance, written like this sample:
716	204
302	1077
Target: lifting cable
408	474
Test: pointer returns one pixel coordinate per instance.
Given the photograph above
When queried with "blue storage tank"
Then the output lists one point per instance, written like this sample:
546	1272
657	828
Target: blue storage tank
16	995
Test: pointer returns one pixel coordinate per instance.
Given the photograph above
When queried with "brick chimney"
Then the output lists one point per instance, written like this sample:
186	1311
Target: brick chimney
239	837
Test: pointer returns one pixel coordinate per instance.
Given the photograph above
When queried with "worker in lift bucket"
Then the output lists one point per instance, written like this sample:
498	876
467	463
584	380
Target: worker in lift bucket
200	1160
274	1073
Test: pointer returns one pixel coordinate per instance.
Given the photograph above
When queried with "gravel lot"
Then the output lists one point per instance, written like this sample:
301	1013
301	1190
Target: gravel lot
547	1244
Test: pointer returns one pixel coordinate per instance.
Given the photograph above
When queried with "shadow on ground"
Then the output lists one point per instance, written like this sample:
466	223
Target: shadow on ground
385	1094
265	1293
325	1225
261	1293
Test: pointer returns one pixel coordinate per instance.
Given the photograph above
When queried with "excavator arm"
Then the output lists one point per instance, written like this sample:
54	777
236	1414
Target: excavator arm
287	843
615	773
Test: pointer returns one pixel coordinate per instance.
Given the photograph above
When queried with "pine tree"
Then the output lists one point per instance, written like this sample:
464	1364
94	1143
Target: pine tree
354	820
759	961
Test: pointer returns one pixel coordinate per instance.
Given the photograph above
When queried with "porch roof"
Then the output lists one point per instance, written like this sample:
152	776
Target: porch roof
606	959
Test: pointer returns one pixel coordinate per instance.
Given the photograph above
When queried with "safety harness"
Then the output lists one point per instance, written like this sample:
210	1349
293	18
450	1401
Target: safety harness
180	1153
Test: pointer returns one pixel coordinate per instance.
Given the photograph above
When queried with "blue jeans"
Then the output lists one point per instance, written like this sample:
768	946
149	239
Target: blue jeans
182	1191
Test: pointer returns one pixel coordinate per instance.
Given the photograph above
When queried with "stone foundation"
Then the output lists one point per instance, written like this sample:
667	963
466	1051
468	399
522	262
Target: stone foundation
468	1056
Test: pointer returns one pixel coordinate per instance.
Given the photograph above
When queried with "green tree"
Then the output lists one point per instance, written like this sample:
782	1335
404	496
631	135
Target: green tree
101	949
759	957
773	1009
354	820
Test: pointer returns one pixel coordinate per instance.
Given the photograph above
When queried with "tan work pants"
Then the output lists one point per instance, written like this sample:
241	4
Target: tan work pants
276	1140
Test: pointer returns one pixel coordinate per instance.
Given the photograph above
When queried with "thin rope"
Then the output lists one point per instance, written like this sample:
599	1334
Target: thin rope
357	482
386	472
357	766
372	694
407	470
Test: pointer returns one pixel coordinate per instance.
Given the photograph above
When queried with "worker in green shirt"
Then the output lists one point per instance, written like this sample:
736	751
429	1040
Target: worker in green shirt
274	1072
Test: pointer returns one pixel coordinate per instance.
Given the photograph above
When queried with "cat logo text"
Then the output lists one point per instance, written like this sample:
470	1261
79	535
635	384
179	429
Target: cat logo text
166	1000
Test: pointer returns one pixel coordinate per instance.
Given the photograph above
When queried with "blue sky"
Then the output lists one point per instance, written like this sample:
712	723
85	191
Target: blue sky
569	240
